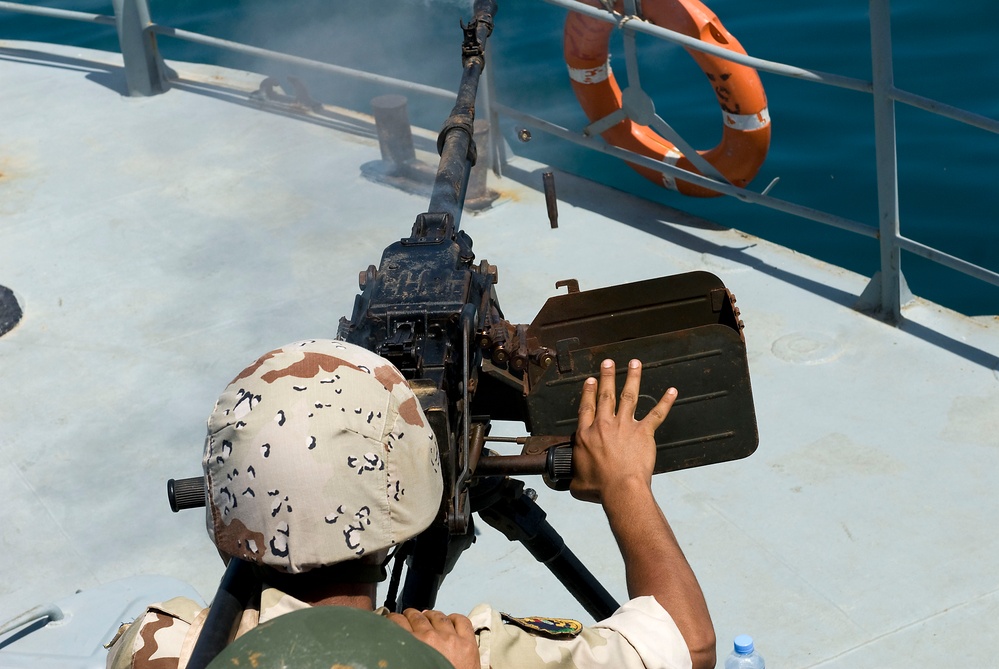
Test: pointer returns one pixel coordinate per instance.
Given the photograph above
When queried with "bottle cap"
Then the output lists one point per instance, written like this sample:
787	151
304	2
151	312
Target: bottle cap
744	644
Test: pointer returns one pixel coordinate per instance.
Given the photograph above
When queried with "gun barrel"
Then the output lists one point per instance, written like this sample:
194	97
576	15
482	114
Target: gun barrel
455	143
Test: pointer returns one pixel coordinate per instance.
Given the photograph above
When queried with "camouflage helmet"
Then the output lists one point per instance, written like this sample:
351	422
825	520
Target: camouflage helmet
318	453
329	636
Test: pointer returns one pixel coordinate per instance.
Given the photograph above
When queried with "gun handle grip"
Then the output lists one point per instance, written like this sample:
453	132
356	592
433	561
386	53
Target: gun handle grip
558	468
189	493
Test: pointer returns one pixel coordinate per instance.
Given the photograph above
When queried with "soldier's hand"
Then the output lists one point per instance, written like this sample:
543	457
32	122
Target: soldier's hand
612	448
450	635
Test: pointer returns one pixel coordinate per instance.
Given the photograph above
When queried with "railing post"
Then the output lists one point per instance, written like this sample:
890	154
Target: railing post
887	291
145	72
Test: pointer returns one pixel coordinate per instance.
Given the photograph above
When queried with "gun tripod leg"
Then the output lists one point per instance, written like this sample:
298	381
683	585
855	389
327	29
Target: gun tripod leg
432	557
238	585
516	515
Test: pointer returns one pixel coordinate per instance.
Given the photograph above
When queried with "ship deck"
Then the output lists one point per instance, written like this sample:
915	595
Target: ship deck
157	245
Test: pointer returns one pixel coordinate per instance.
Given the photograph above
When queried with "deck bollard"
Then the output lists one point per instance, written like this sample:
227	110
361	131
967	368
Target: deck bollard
395	138
478	196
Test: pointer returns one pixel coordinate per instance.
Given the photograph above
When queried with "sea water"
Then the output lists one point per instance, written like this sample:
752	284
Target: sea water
822	148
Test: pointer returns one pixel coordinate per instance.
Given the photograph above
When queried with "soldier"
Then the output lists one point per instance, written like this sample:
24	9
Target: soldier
319	459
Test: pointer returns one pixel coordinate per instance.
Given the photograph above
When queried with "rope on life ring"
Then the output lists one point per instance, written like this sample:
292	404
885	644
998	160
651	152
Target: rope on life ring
746	121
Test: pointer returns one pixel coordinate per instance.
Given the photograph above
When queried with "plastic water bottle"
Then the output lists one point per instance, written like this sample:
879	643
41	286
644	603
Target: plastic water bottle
744	655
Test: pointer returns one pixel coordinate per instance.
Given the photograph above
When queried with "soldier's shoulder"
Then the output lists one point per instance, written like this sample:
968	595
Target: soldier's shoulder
158	632
526	642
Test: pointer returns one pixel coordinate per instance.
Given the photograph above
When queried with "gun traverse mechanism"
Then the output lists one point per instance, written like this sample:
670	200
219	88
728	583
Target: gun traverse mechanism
432	311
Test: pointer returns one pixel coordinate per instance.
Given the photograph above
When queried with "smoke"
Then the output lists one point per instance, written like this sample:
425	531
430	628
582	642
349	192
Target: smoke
414	40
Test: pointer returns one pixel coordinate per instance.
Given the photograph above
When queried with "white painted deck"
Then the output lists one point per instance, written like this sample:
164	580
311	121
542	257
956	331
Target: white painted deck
159	245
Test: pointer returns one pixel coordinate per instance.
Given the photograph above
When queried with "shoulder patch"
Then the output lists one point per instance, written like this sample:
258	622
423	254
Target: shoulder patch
553	628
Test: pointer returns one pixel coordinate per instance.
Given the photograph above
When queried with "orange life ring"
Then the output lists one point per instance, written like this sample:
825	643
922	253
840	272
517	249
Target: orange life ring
746	121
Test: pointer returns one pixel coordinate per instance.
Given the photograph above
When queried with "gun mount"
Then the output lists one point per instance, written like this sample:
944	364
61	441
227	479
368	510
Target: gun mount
434	313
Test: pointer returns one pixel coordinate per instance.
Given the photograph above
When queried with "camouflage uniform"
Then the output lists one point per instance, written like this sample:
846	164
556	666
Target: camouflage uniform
639	634
319	453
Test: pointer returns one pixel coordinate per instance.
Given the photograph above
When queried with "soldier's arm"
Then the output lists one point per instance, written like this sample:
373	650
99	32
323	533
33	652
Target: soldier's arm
613	463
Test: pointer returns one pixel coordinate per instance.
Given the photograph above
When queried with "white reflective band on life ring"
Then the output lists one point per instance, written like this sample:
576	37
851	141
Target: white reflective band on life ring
590	75
746	122
671	158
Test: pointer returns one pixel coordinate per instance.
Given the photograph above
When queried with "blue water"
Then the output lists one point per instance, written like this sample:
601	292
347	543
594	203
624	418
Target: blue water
822	148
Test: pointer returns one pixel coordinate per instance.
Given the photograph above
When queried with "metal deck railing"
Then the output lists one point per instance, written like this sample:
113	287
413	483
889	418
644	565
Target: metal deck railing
887	291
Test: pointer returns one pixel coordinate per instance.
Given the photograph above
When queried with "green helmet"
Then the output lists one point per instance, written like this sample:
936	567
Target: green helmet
322	637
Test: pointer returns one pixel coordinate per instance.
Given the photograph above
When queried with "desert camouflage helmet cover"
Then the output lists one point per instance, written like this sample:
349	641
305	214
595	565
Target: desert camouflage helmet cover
317	453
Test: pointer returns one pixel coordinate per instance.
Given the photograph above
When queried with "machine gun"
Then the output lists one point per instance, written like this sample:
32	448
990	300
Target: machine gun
434	313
